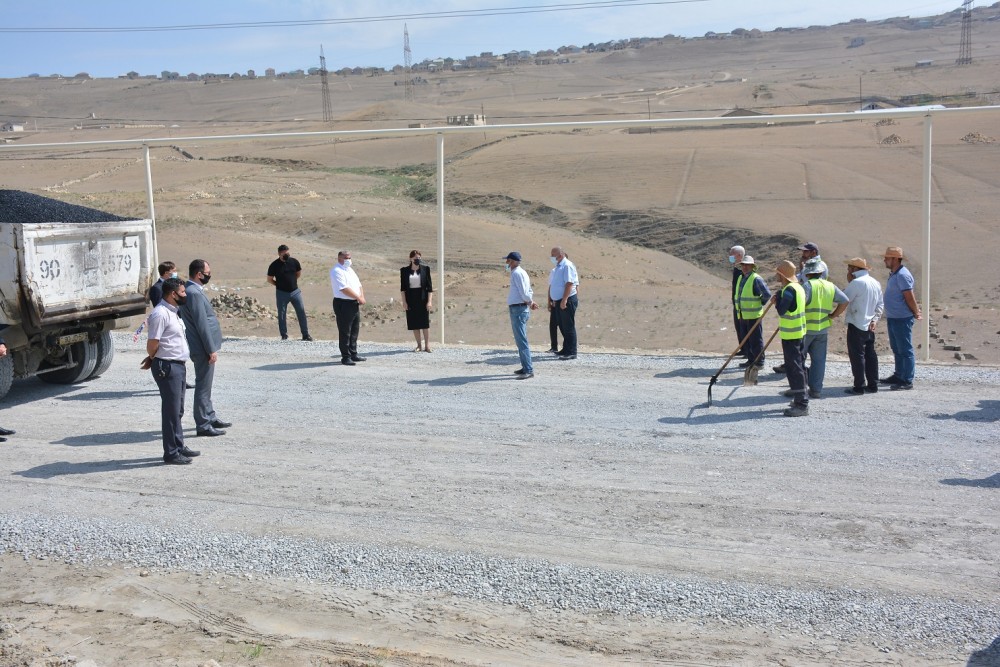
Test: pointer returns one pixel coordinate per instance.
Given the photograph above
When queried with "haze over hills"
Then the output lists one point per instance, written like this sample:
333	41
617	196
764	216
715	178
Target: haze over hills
648	216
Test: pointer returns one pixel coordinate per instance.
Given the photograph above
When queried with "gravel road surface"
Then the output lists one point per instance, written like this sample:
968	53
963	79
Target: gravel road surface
422	509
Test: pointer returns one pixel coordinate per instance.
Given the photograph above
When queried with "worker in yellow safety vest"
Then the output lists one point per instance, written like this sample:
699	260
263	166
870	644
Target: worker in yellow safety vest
750	295
790	302
826	303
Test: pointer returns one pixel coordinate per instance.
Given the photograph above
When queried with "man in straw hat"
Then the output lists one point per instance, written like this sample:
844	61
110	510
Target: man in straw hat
901	310
862	315
790	303
750	296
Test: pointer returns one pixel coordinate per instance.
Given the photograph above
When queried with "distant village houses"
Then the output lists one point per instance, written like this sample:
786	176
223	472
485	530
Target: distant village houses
12	127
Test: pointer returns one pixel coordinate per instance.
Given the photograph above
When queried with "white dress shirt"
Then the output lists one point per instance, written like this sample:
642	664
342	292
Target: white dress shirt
340	278
866	304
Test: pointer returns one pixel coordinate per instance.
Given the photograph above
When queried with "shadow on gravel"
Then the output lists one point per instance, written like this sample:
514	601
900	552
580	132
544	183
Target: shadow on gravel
463	379
989	411
987	657
296	367
991	482
715	418
121	438
685	373
109	395
50	470
504	358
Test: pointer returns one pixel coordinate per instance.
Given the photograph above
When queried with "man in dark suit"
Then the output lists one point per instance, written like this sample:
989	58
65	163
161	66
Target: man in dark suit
167	270
4	431
204	337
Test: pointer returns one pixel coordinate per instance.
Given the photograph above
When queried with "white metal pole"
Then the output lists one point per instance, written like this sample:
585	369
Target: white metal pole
149	200
926	282
440	201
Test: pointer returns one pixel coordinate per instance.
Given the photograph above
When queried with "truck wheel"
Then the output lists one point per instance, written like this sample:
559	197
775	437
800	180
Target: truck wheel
85	354
6	374
105	355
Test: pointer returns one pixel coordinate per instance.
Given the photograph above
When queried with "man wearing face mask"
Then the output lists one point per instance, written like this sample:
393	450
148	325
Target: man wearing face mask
167	350
166	270
284	274
563	302
864	310
348	297
204	337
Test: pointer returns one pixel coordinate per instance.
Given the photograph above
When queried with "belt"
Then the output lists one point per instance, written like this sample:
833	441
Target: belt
339	298
171	361
517	305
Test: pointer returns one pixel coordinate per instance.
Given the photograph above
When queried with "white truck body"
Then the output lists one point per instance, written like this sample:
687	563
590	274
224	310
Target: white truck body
63	287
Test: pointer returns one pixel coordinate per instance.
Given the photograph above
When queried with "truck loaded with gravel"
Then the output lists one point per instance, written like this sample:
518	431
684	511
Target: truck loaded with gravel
69	275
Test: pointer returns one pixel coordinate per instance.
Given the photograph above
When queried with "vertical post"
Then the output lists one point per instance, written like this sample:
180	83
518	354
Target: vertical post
926	282
861	99
149	200
440	202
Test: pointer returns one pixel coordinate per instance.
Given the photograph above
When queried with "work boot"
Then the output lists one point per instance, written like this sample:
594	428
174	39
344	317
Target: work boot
797	410
779	369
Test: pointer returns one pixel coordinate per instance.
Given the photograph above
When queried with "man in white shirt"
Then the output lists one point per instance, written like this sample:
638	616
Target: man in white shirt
348	297
520	304
862	315
563	301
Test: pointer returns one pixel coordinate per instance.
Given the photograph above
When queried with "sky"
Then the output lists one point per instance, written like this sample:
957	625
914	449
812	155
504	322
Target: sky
46	37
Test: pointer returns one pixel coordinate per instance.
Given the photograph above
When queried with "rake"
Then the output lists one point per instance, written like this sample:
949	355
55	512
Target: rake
715	377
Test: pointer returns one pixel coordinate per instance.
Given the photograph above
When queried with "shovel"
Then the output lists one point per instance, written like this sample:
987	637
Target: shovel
750	374
745	339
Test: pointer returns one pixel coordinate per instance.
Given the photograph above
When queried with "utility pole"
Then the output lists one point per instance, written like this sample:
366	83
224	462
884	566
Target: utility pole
327	107
407	66
965	45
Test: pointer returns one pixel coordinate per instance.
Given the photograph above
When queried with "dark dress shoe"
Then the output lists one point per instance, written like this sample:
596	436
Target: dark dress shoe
854	391
218	423
892	379
871	390
6	431
188	385
210	432
520	371
178	460
566	357
3	439
190	453
902	385
307	337
347	362
779	369
358	359
552	350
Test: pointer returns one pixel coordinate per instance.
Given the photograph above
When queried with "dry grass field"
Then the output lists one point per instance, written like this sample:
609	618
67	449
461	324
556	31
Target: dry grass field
648	217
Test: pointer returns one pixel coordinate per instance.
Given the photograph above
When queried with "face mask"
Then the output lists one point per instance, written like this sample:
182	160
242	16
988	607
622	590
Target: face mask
732	259
173	275
555	261
506	267
347	263
286	256
205	279
416	261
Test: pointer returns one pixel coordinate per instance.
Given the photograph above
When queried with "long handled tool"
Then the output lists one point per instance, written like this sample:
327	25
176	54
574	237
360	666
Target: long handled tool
739	347
750	374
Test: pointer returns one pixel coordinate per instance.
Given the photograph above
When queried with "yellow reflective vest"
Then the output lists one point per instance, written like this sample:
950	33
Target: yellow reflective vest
820	305
793	322
748	305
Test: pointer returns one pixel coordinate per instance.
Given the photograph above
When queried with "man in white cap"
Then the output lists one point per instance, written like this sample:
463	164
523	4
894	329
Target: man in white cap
809	252
863	313
736	254
750	295
901	310
826	303
790	303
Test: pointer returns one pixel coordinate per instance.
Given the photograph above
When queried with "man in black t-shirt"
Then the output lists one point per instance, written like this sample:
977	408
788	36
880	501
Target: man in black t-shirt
284	274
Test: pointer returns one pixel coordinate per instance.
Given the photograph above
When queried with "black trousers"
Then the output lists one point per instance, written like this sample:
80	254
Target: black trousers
754	344
566	321
348	313
864	361
171	377
795	368
736	328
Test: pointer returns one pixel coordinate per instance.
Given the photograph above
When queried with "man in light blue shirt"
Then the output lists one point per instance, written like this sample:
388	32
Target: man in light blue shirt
901	310
520	303
563	300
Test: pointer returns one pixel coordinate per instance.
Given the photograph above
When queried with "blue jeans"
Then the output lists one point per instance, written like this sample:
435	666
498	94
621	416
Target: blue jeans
815	348
901	342
519	314
295	298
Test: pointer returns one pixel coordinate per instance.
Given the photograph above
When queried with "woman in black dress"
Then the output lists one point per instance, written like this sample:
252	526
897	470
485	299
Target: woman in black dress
418	295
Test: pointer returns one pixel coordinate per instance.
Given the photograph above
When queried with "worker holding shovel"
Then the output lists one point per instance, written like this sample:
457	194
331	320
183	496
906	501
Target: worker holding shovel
790	302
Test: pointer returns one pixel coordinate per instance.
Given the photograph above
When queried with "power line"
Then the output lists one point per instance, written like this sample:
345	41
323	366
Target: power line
463	13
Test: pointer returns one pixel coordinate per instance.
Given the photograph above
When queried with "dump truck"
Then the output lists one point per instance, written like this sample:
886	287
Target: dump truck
69	275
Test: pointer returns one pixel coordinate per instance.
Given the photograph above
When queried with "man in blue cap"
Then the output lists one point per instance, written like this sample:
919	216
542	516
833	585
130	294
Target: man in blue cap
520	303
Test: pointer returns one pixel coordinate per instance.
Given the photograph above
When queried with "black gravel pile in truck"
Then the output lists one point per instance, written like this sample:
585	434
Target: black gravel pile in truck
19	206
